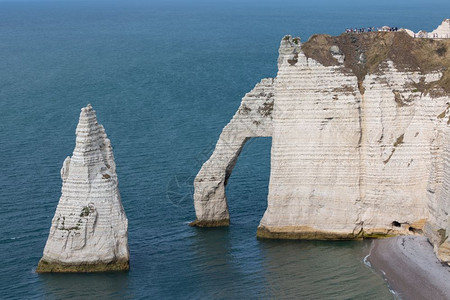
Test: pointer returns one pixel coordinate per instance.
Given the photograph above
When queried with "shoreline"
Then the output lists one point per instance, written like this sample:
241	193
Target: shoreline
410	267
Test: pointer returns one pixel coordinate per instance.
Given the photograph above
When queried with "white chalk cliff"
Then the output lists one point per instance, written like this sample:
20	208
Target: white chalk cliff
441	32
358	126
89	231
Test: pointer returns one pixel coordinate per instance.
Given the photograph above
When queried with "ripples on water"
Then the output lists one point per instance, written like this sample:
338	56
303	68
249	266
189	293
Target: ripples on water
164	78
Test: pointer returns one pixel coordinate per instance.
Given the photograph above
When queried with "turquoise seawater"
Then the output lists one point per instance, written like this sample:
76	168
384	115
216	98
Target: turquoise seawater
164	77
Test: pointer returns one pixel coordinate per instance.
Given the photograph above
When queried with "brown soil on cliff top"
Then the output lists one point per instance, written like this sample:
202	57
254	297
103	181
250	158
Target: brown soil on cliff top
365	52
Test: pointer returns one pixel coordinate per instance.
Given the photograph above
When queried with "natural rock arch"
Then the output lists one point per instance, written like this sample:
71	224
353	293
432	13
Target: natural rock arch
253	119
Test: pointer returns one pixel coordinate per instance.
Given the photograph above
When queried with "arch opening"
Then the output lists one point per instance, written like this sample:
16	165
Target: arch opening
252	119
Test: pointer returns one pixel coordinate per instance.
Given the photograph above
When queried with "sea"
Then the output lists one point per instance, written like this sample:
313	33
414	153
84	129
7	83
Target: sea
165	77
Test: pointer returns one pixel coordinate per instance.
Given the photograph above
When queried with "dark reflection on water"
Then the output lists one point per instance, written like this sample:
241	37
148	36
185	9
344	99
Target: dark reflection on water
86	286
212	247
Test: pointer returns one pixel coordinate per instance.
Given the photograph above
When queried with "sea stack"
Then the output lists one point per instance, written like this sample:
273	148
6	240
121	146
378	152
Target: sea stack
89	231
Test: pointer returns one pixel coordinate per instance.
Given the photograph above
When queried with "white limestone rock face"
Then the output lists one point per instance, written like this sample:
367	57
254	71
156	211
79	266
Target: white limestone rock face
315	158
442	31
437	228
353	155
401	127
350	159
408	31
89	231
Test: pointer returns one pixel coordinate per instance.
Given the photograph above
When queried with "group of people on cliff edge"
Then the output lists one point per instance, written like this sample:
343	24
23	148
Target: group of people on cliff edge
371	29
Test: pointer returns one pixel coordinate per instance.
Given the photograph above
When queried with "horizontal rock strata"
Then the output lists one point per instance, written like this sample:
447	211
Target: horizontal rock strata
438	226
358	126
89	232
253	119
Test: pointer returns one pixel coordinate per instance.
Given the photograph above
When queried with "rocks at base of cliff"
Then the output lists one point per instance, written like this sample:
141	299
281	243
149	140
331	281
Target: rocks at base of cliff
303	233
89	231
56	267
210	223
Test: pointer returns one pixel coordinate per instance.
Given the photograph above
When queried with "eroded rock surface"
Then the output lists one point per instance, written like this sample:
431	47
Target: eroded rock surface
253	119
350	154
437	228
358	130
89	231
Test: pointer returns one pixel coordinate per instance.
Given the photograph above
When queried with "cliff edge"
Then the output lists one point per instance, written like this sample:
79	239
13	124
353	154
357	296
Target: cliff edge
359	126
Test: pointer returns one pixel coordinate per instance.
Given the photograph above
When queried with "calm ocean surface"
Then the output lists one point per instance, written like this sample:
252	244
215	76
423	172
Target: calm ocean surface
164	78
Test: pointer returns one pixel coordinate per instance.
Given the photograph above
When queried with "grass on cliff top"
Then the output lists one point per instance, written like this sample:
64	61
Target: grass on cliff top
365	52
